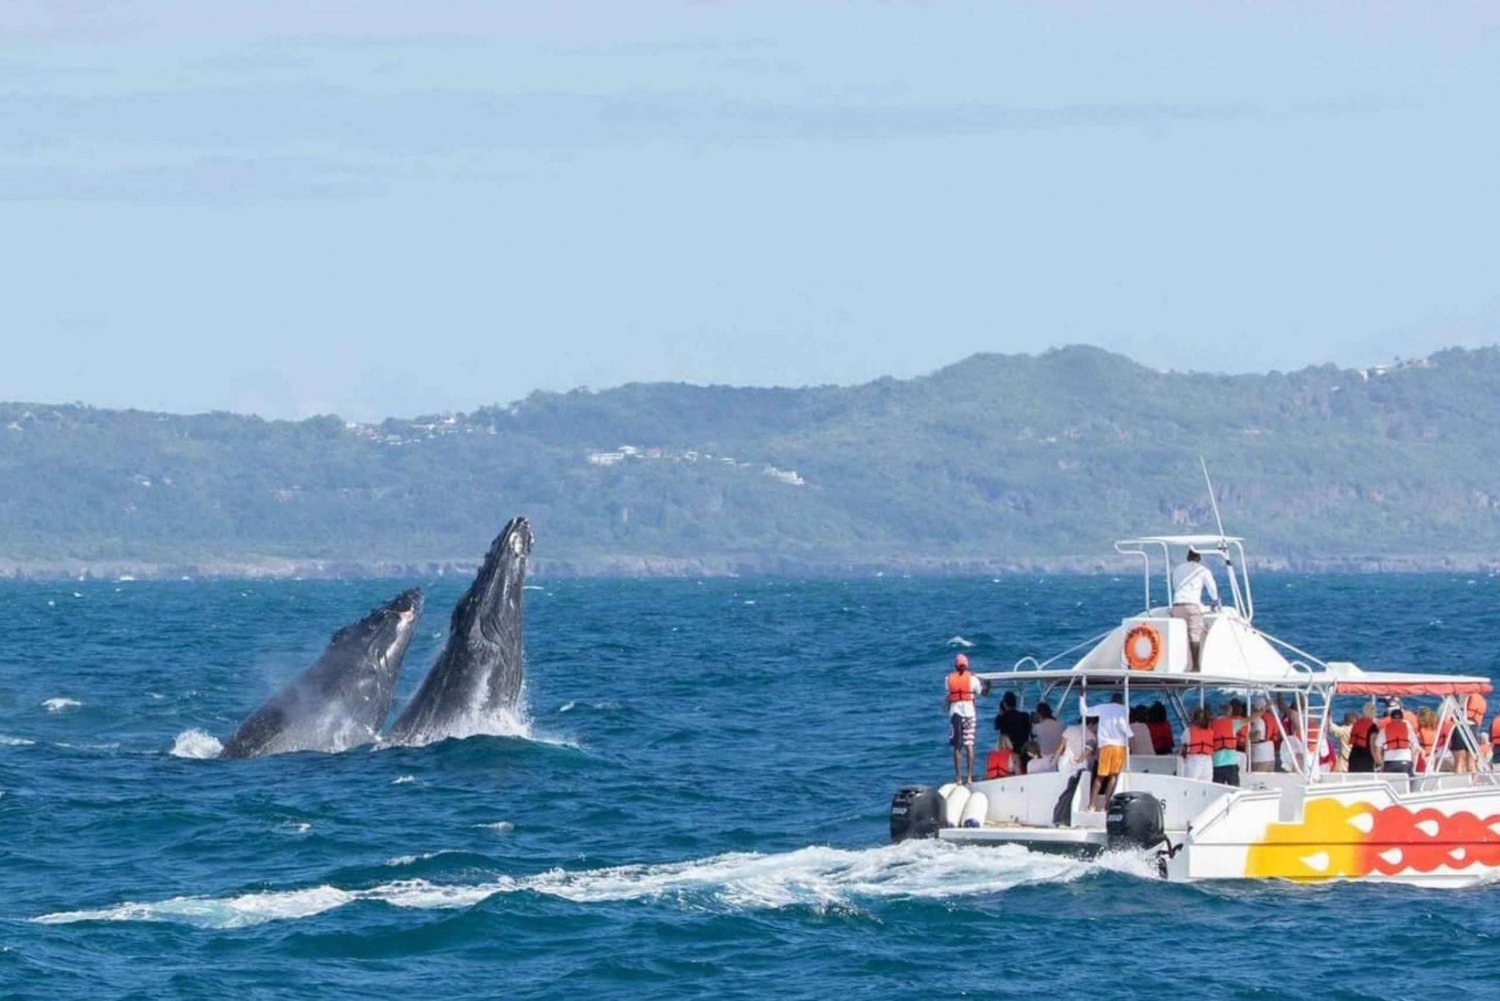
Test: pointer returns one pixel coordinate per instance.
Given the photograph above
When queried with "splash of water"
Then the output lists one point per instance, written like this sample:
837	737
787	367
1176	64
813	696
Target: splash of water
822	878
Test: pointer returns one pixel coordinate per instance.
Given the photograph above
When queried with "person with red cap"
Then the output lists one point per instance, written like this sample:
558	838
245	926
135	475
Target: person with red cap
963	693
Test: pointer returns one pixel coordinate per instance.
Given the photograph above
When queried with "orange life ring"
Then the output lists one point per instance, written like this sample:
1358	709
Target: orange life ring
1143	660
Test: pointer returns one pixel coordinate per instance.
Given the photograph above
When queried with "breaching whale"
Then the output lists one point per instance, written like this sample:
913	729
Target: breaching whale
342	701
477	677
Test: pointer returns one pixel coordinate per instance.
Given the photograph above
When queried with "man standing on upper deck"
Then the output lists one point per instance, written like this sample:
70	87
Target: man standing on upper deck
1189	580
963	690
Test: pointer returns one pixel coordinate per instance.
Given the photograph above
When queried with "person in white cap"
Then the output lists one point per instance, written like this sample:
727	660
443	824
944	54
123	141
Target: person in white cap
1190	579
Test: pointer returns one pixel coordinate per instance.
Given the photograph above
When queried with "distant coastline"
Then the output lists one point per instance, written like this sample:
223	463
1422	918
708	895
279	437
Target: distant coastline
667	567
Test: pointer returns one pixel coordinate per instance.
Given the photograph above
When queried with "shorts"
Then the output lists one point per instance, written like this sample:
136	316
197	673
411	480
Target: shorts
1397	767
1111	760
1456	742
961	730
1227	775
1193	615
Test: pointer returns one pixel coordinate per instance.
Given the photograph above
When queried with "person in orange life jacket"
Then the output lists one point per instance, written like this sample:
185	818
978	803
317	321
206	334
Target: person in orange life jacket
1397	742
963	691
1494	735
1003	761
1474	710
1198	747
1363	752
1230	731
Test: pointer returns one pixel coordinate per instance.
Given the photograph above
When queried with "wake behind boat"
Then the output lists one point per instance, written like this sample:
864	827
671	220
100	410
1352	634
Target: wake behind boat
1309	822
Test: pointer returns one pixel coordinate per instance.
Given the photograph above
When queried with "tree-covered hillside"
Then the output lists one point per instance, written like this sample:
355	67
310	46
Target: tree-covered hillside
998	459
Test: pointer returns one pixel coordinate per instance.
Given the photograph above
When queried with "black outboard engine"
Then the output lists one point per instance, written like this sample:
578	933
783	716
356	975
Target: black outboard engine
916	812
1135	820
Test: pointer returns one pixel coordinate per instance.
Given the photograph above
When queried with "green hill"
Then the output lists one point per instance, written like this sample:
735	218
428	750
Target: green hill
997	460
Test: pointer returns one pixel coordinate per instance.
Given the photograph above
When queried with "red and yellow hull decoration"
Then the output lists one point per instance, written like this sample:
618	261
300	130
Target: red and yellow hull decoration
1337	840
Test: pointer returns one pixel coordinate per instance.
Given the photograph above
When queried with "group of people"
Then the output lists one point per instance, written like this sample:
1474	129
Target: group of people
1213	747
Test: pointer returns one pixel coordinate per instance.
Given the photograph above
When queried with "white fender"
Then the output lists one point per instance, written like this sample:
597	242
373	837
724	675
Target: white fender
945	789
955	803
976	810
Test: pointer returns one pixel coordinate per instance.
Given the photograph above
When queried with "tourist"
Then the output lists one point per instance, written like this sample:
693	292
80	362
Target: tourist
1229	735
1339	734
1198	747
963	689
1036	761
1362	744
1474	710
1140	733
1161	729
1189	580
1012	722
1262	746
1047	731
1396	743
1002	761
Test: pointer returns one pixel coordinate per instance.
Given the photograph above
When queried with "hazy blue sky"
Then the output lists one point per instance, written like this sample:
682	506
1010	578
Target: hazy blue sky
376	207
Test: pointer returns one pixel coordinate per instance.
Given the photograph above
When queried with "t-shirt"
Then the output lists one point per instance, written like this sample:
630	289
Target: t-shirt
962	708
1114	722
1048	734
1016	725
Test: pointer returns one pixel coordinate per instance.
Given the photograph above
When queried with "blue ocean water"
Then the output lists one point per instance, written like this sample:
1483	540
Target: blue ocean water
696	806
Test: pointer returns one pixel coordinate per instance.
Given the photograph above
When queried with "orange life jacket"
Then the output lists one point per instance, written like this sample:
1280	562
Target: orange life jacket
1000	764
1200	740
1273	734
960	687
1495	730
1428	736
1397	735
1225	739
1474	708
1359	735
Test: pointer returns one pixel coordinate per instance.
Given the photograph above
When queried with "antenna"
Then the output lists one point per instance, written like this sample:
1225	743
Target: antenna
1223	536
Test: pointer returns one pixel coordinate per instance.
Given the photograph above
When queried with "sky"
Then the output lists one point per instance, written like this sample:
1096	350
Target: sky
378	208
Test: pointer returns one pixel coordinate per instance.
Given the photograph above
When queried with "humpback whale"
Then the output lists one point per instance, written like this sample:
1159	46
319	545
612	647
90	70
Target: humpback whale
343	699
478	674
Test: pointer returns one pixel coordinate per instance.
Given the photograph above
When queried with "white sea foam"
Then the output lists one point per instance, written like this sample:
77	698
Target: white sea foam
196	744
58	705
825	879
401	780
9	741
960	641
499	827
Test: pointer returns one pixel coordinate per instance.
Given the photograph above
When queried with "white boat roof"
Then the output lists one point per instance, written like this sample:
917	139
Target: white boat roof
1196	541
1344	678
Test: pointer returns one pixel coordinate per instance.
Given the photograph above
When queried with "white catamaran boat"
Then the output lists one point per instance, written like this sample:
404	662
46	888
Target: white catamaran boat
1309	822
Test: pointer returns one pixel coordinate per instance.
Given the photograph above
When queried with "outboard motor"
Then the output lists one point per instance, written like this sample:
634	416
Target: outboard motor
1135	820
916	812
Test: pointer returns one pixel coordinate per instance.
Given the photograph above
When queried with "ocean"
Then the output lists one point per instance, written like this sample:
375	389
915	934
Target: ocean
692	804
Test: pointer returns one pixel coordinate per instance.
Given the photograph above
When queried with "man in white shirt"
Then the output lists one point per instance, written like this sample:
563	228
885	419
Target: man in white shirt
1114	739
1189	580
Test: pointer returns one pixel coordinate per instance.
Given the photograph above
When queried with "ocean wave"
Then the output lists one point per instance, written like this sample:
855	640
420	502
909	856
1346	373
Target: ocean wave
401	780
58	705
196	744
824	879
9	741
959	641
499	827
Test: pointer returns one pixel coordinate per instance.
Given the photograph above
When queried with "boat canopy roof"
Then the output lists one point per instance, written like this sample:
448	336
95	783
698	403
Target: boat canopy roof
1343	678
1195	541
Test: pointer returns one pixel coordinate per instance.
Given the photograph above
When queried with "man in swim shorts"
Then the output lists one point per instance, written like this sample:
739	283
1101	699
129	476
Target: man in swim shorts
963	690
